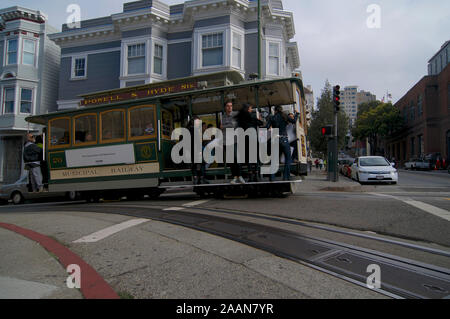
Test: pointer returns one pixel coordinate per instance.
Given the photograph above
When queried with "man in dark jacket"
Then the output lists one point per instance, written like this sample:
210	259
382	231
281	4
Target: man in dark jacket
281	121
246	120
32	156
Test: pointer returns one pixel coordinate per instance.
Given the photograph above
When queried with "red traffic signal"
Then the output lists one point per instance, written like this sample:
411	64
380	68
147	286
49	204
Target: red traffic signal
327	130
337	98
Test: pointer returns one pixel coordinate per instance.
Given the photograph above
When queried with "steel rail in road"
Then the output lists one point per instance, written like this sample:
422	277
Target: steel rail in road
290	221
400	277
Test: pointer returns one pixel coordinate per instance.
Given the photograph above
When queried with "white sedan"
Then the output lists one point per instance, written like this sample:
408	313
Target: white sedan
370	169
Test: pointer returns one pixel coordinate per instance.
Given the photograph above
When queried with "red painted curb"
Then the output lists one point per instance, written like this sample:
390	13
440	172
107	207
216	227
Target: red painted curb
93	286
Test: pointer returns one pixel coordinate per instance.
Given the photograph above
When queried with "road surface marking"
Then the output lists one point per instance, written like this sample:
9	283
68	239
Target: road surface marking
102	234
173	209
196	203
442	213
445	214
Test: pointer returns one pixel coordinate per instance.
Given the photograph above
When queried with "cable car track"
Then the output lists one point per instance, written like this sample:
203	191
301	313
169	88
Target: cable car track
400	277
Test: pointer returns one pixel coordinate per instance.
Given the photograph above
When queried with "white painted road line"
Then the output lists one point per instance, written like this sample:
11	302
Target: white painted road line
439	212
102	234
196	203
445	214
173	209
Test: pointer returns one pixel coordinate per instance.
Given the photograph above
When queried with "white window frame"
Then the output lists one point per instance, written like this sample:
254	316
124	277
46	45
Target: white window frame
4	100
6	57
124	76
32	100
78	57
197	47
163	44
278	43
241	34
145	71
223	47
34	53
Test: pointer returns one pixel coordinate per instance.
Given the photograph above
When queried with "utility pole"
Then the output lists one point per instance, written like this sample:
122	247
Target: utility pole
259	39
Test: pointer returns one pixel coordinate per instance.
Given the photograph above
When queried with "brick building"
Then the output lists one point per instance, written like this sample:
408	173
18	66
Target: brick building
426	112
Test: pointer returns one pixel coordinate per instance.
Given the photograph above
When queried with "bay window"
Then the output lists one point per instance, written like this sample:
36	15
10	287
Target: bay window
237	50
9	100
158	59
26	101
212	49
29	52
274	58
12	52
136	58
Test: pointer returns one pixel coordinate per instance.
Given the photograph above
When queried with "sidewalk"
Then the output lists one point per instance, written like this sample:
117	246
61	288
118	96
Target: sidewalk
317	181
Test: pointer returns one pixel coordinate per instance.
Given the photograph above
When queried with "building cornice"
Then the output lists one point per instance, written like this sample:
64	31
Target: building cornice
192	11
16	12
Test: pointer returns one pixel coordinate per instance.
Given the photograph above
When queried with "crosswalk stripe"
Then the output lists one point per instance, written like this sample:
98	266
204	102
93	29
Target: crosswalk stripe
196	203
442	213
104	233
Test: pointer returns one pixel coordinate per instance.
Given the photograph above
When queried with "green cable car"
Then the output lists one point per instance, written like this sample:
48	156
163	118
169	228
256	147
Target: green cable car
119	142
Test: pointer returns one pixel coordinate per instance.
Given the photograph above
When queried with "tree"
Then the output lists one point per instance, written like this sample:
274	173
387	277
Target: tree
325	116
377	121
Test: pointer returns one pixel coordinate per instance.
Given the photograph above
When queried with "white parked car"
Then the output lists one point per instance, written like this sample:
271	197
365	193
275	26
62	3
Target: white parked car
418	164
368	169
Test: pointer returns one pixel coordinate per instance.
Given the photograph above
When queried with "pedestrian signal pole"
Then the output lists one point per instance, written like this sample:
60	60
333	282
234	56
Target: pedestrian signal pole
337	108
327	131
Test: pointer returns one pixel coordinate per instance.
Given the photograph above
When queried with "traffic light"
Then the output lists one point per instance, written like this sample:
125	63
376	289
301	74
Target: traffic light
337	98
327	130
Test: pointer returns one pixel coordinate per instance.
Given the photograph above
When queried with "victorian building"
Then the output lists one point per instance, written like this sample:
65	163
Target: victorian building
151	41
29	71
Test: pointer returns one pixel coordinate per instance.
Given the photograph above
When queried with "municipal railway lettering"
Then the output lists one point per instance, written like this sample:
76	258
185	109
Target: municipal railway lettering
80	173
127	170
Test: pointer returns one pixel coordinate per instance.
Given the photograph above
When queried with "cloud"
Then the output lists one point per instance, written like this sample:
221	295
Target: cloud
333	38
336	44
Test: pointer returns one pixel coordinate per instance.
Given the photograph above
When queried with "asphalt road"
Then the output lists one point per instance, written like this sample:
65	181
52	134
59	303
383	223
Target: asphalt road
414	211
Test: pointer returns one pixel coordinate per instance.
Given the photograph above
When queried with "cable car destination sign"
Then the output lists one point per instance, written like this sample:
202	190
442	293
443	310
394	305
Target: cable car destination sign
136	93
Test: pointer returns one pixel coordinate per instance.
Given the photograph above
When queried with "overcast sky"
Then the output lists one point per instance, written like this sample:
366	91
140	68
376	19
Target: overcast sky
333	38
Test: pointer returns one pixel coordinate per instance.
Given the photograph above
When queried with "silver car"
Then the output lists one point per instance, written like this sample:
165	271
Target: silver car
18	193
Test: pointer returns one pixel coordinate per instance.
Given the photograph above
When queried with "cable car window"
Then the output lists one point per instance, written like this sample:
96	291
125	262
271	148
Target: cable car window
59	132
142	122
86	129
113	126
167	124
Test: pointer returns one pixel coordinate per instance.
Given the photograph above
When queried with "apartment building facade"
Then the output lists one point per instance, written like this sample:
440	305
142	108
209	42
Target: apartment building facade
151	41
426	112
351	98
29	71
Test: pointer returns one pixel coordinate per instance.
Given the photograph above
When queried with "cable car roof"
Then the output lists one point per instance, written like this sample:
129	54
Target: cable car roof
205	99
